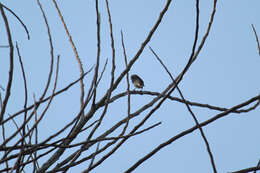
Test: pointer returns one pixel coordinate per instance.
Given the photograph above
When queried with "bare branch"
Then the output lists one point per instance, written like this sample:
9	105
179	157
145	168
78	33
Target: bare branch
47	98
188	131
18	18
75	52
11	67
247	170
256	37
25	102
189	109
128	85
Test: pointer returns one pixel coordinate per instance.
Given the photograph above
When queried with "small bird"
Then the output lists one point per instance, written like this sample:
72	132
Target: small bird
137	81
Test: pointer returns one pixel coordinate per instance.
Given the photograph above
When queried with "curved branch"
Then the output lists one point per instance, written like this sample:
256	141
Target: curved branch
11	67
13	13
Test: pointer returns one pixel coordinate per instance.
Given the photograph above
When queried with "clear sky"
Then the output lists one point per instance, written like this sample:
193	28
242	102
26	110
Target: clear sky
225	74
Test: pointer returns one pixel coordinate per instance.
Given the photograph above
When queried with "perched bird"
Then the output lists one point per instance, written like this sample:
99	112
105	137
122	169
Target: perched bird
137	81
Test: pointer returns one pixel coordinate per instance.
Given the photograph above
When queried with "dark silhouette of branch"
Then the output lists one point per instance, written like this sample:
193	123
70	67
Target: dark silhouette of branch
105	147
82	91
47	98
247	170
128	85
257	40
95	77
11	68
188	131
19	161
189	109
18	18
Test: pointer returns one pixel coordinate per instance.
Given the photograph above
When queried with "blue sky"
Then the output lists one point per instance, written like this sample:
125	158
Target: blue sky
225	74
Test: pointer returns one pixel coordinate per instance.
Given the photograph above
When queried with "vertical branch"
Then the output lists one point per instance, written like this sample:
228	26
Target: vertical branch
50	72
75	52
128	85
96	75
192	57
204	38
102	73
92	160
98	54
25	104
3	128
113	65
51	48
19	160
11	67
256	37
96	72
113	50
50	101
36	132
3	133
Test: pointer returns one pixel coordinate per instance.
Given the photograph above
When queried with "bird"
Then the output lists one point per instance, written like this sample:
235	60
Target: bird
137	81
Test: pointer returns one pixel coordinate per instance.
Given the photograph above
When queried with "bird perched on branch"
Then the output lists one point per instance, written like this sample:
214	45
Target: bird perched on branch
137	81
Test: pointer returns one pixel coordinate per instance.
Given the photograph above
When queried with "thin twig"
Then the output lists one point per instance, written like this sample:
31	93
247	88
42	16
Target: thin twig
128	85
101	75
95	77
13	13
25	99
36	164
92	160
256	37
82	91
